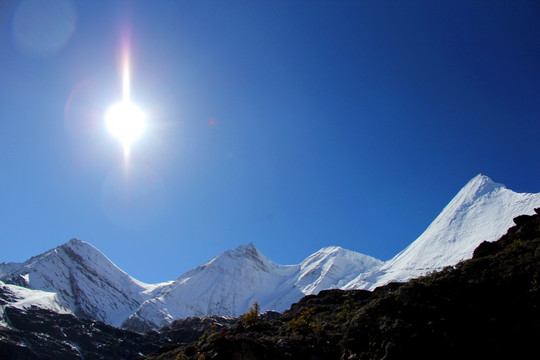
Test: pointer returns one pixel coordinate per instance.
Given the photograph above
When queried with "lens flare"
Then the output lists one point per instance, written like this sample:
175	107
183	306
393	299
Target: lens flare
125	120
43	28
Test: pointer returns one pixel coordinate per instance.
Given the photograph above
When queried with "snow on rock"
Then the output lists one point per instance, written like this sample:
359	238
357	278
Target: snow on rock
23	298
89	284
331	268
85	280
228	284
482	210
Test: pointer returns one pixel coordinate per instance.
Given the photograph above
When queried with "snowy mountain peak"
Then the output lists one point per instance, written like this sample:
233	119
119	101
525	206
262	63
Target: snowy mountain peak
74	241
332	267
337	251
244	250
479	186
81	247
481	210
90	285
240	256
331	250
84	253
85	280
481	178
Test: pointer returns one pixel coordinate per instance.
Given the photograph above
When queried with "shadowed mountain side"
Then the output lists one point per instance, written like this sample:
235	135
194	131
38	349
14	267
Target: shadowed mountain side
32	334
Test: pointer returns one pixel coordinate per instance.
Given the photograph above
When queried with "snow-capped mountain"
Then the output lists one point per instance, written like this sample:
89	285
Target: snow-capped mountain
482	210
228	284
332	268
85	281
77	278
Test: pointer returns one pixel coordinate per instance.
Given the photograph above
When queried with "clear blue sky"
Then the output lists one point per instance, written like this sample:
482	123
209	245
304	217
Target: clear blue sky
290	124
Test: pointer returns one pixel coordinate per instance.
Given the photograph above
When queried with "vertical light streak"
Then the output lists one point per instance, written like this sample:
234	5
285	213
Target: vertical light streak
124	119
126	85
126	94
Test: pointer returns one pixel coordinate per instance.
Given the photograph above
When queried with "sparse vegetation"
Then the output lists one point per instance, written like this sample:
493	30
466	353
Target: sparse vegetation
251	318
305	324
346	311
206	334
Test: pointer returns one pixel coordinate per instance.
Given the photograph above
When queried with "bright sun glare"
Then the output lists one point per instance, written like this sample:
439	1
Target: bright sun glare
125	120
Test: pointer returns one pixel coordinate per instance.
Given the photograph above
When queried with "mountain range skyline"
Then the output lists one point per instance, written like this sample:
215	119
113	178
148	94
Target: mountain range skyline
92	286
292	125
467	308
481	180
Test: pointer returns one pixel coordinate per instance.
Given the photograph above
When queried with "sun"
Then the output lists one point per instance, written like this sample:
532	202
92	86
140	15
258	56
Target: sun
124	119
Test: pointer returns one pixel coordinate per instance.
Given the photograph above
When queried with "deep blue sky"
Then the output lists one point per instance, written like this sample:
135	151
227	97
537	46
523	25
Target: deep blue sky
290	124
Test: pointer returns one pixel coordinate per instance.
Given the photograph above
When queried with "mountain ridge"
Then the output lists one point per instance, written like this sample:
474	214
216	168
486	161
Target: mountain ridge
86	281
487	307
92	286
229	283
481	210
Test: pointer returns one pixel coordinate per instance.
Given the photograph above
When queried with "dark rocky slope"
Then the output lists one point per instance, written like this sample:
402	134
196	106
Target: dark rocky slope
46	335
486	307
